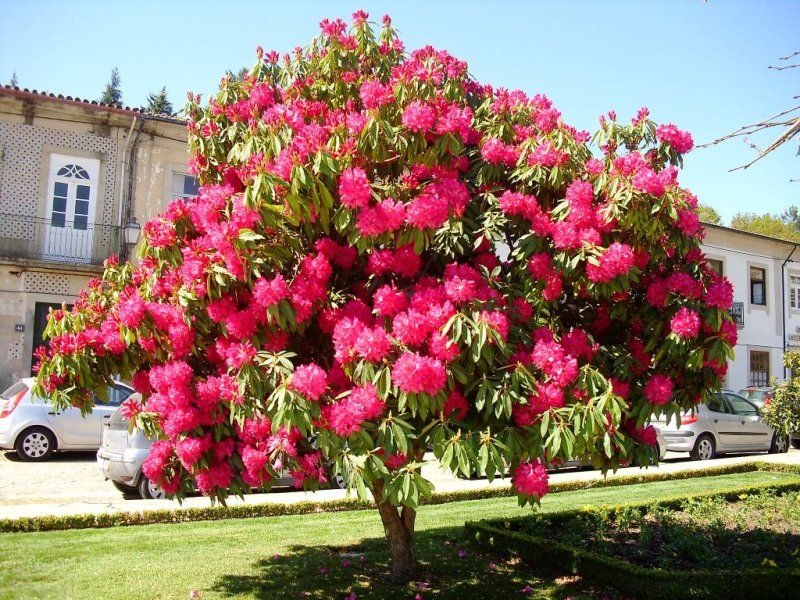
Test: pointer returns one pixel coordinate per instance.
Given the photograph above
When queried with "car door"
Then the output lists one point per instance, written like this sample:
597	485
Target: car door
754	435
725	424
72	429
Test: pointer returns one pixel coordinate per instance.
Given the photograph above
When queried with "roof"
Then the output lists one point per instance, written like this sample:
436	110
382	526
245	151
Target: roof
751	234
25	93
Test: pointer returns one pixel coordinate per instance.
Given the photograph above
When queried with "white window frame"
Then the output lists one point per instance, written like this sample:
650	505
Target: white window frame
173	194
794	291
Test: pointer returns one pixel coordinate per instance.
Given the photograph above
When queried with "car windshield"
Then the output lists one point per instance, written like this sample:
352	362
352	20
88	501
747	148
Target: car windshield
14	390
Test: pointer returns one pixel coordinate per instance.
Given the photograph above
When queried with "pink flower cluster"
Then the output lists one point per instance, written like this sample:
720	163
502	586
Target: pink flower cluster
615	261
680	140
685	324
348	415
418	374
658	389
531	479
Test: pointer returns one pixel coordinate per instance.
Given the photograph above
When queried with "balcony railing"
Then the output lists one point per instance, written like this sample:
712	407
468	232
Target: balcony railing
74	242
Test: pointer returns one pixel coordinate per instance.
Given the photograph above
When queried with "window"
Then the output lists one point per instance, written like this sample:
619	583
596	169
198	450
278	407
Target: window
116	396
759	368
741	406
715	404
794	291
715	265
758	289
183	186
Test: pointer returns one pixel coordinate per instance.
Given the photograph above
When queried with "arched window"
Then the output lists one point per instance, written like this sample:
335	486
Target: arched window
76	171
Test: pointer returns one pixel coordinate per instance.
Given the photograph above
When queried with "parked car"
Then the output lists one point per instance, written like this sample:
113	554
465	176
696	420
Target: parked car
35	429
756	395
123	451
726	423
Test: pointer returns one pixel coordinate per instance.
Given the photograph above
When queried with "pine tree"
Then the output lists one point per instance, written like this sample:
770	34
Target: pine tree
14	82
158	103
112	94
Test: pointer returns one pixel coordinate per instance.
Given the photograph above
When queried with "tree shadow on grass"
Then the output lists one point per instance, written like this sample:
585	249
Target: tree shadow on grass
449	568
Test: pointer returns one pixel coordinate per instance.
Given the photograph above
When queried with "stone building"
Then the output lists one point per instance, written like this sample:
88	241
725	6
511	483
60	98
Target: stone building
76	180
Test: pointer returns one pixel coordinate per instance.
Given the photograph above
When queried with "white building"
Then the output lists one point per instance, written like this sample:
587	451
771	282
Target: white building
765	273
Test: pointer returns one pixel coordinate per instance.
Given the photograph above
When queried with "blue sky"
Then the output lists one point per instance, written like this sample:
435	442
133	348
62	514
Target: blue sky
700	65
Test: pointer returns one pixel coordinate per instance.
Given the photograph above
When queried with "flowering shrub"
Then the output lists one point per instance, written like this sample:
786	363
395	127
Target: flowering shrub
781	411
385	256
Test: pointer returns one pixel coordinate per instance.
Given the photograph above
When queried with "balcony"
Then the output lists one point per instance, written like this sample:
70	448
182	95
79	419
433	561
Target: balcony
24	237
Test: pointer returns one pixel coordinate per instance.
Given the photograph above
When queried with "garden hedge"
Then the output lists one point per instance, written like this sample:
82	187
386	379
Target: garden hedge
553	557
248	511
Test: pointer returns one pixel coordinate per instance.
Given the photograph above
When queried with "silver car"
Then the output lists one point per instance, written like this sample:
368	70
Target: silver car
726	423
32	426
123	451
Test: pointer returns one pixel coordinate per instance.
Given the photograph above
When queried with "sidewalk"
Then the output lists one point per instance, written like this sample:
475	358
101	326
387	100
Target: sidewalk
443	482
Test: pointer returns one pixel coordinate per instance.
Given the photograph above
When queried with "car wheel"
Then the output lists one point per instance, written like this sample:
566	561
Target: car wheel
149	490
125	489
35	444
705	448
779	445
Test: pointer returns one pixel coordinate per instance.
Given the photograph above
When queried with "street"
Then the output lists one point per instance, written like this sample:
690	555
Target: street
70	483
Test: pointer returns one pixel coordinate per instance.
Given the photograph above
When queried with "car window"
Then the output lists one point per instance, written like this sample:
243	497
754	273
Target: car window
715	404
116	395
741	406
14	390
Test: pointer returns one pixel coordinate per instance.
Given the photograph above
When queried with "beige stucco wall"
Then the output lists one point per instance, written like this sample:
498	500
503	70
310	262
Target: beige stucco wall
31	129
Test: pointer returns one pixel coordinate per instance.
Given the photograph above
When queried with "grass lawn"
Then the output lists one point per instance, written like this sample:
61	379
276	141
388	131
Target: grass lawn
324	555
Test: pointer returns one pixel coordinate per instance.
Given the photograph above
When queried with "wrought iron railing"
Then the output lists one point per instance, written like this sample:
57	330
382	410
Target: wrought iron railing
76	242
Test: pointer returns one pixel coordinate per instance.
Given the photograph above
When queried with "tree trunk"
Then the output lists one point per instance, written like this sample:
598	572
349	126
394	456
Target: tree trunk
398	526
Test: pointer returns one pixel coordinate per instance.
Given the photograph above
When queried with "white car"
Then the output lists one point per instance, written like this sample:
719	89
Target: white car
726	423
32	426
125	448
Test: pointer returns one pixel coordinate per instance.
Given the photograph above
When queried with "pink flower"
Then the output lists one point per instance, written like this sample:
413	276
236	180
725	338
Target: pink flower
132	311
497	321
553	360
681	141
268	292
616	260
374	94
347	416
354	189
388	301
530	479
496	152
417	374
372	344
720	295
310	380
685	324
418	117
385	217
658	389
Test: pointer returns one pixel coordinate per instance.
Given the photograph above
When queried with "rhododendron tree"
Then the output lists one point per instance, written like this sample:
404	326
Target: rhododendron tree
388	256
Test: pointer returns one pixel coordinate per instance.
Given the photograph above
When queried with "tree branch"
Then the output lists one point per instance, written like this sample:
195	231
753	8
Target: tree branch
783	138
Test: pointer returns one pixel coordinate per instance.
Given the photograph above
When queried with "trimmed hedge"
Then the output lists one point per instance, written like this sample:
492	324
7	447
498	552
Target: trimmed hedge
249	511
554	557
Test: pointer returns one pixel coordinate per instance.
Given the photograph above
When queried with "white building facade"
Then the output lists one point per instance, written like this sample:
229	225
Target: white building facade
765	273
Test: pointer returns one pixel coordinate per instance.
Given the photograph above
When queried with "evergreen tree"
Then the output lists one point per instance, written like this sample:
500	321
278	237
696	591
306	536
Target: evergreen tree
112	94
158	103
14	82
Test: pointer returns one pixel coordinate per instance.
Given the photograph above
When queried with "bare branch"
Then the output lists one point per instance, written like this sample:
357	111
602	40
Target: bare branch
782	139
792	55
755	127
784	67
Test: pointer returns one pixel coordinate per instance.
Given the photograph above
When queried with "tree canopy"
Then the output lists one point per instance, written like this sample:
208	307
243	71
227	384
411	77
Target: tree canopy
766	224
388	256
112	94
708	214
158	103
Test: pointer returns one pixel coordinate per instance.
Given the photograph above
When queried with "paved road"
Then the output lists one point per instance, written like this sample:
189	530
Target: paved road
71	484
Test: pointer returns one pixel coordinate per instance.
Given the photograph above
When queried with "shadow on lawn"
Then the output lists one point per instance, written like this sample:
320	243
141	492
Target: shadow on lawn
449	568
